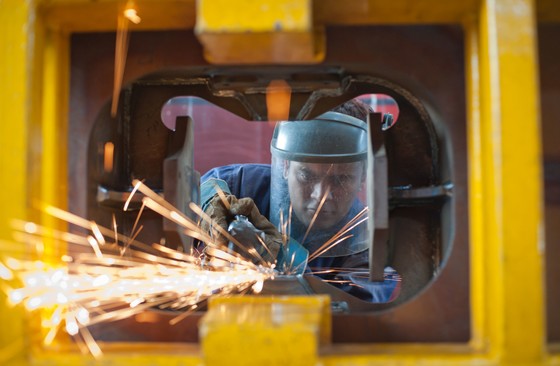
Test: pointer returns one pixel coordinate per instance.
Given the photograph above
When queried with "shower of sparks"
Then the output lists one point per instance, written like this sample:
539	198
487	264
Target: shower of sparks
91	289
109	283
120	277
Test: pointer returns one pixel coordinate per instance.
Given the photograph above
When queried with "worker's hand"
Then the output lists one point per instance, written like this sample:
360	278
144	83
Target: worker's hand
260	245
220	217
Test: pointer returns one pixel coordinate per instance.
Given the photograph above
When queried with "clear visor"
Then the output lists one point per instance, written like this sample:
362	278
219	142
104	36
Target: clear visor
321	205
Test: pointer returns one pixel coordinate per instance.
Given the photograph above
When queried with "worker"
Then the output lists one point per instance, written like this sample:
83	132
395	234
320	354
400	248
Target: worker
307	203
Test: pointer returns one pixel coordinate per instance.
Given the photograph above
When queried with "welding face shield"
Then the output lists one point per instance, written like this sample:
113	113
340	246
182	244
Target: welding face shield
317	183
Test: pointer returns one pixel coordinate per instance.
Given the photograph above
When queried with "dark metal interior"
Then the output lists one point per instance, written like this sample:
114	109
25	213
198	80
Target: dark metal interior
428	228
548	34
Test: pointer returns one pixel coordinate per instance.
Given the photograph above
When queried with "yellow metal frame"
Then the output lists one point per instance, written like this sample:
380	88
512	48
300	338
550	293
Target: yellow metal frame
504	155
282	31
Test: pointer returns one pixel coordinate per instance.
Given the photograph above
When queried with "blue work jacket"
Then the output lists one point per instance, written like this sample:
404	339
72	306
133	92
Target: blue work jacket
253	181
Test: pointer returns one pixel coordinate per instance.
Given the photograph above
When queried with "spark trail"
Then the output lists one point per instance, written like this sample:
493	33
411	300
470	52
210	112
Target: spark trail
120	276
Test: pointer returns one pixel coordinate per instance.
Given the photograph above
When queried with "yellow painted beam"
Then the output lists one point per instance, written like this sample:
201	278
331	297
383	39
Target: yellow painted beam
282	330
54	137
510	138
254	15
14	112
256	32
33	165
16	78
479	272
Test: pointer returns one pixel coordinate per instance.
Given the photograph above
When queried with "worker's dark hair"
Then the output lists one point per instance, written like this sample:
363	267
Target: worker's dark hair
355	108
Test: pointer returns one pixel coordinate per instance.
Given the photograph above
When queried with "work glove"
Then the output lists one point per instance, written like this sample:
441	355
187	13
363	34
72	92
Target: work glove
290	255
255	238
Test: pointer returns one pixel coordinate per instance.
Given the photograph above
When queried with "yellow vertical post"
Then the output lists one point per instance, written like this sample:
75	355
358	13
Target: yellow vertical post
54	134
14	99
476	184
510	145
16	47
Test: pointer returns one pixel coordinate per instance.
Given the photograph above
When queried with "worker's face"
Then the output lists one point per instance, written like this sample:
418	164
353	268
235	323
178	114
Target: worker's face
309	184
